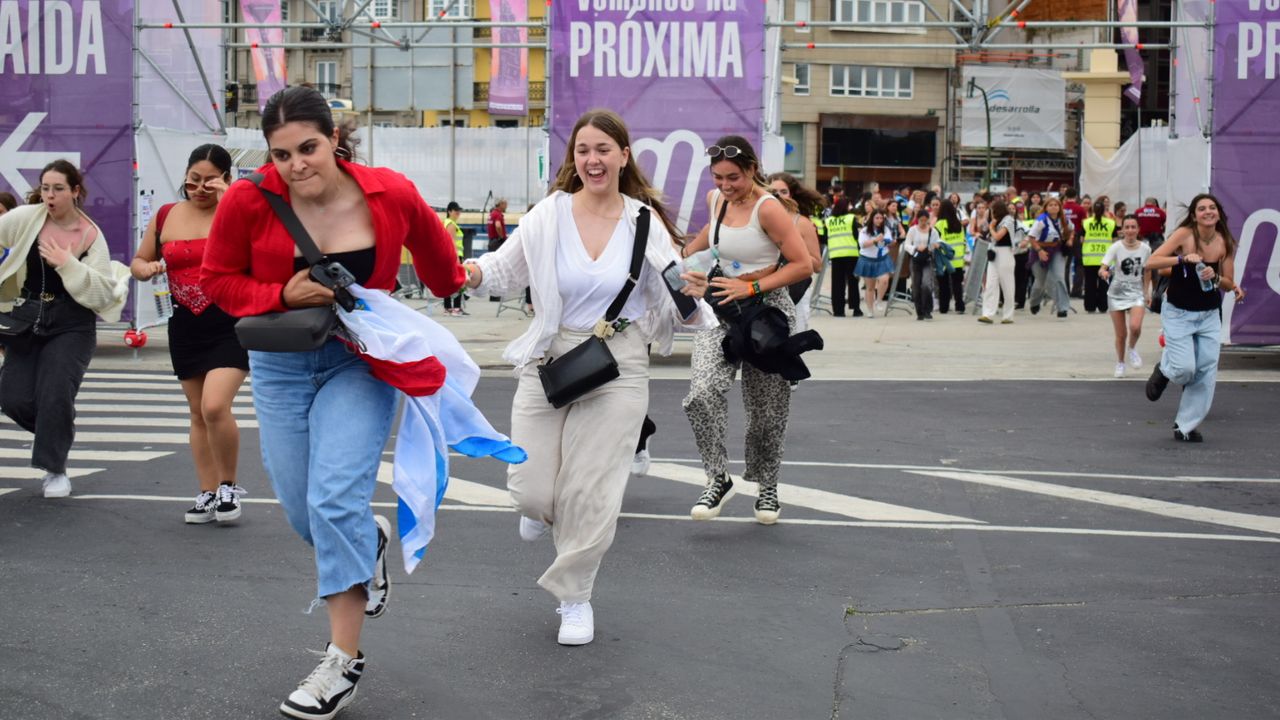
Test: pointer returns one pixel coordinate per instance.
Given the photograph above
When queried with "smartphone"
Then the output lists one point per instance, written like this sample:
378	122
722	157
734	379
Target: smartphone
672	275
686	305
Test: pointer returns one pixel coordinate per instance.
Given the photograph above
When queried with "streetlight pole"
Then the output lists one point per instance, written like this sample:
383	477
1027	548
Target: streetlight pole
973	85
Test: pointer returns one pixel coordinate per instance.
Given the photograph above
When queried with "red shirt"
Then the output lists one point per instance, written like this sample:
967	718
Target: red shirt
1076	213
249	257
497	225
1150	220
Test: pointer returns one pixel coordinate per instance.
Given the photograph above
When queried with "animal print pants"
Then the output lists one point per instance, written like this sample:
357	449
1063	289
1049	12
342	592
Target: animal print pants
766	397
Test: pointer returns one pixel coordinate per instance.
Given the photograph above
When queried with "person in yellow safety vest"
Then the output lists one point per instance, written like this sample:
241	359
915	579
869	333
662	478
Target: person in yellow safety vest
453	211
951	230
842	249
1099	230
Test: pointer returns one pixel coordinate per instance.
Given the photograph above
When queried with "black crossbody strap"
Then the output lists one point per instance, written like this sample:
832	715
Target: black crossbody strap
637	262
715	240
300	236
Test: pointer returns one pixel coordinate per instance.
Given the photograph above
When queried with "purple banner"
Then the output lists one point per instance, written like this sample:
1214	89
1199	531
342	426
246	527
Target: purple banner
1127	11
1246	152
509	67
681	73
66	91
268	63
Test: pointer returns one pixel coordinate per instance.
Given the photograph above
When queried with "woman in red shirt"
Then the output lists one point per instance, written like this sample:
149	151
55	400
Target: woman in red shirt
324	419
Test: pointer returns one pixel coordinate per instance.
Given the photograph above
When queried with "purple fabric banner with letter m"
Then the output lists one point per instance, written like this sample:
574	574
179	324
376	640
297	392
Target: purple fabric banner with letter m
66	91
681	73
1246	153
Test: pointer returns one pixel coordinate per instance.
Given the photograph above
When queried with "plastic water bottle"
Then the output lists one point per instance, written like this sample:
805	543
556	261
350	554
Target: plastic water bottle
699	262
160	290
1205	285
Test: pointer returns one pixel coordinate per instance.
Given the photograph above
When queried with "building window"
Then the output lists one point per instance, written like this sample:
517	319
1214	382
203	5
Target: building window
327	78
506	123
284	10
804	13
793	161
328	10
871	82
877	11
456	9
457	122
383	10
802	79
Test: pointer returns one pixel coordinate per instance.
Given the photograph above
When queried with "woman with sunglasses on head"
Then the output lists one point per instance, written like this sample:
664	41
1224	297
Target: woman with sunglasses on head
574	250
752	232
808	204
324	417
1201	256
59	275
203	349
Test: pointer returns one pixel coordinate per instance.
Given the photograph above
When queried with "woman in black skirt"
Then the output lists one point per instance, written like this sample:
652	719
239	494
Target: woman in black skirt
206	356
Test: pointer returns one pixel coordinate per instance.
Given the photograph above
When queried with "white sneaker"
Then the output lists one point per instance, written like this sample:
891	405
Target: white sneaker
533	530
380	588
1135	360
880	307
56	485
640	464
1119	369
328	689
577	624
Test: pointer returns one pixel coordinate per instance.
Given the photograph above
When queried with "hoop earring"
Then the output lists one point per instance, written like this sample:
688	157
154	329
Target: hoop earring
342	152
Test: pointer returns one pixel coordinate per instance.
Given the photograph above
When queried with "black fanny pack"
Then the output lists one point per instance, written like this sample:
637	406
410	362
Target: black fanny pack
591	364
726	309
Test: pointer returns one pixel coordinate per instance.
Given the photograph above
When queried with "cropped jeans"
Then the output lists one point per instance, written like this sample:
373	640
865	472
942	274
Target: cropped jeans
1192	342
323	423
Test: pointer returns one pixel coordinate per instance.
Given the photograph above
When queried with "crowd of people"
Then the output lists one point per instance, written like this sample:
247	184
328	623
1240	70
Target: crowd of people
611	279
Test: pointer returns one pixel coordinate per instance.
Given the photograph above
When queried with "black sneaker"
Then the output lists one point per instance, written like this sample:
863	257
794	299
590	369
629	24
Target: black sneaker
380	590
228	507
1156	384
767	507
712	499
328	689
1193	436
203	511
1035	309
1062	313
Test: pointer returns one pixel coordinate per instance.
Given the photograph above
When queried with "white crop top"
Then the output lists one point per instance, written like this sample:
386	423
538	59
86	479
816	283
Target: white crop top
744	249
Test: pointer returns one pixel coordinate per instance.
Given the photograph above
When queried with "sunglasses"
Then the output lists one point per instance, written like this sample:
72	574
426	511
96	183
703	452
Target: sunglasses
728	151
194	185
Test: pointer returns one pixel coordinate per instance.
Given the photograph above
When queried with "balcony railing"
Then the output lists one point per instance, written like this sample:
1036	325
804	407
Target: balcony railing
537	93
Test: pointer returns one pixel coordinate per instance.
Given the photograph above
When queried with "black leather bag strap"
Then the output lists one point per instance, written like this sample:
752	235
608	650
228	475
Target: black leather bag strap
300	236
637	262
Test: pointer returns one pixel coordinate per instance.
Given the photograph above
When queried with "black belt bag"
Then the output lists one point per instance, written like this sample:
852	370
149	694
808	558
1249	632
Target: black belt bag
591	364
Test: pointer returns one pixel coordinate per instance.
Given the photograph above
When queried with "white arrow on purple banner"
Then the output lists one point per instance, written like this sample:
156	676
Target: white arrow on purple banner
13	160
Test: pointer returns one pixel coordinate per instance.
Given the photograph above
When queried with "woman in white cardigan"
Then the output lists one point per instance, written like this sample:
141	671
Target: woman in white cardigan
574	251
58	275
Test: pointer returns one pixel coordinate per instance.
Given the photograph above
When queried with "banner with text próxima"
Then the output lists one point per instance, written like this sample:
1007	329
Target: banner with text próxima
681	73
66	91
1246	152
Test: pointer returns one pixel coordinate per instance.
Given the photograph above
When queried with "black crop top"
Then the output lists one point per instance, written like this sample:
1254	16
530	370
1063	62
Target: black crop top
42	279
358	262
1185	291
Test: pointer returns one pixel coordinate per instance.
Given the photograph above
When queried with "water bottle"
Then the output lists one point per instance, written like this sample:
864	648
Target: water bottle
699	262
160	290
1205	285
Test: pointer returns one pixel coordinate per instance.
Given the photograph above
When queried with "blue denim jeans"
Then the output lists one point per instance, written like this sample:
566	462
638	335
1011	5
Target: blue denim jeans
1192	342
323	423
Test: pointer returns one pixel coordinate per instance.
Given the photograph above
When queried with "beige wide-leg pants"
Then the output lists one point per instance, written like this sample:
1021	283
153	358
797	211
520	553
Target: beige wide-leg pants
579	460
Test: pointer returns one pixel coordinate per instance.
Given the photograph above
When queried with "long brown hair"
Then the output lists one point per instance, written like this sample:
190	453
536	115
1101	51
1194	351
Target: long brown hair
631	181
808	201
1189	222
749	163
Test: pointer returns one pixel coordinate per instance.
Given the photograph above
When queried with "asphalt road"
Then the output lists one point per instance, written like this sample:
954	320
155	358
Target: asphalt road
1030	549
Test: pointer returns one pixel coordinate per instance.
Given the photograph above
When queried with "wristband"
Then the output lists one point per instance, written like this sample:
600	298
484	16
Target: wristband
1179	259
755	287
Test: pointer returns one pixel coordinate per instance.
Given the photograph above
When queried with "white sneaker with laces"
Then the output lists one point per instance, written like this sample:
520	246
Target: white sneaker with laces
640	464
203	511
380	589
228	507
1135	360
577	623
533	530
1119	370
328	689
56	485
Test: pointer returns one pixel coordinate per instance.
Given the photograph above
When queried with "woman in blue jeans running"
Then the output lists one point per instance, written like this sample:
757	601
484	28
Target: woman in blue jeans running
1201	256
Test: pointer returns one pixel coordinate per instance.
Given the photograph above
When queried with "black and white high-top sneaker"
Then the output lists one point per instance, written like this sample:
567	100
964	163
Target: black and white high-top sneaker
328	689
767	507
713	498
380	588
228	507
203	511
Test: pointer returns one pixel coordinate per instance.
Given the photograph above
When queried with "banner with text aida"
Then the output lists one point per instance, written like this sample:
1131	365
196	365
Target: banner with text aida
66	92
681	73
1027	108
509	67
268	62
1246	152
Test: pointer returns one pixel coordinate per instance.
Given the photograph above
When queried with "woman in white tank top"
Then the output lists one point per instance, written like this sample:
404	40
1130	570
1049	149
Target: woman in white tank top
755	232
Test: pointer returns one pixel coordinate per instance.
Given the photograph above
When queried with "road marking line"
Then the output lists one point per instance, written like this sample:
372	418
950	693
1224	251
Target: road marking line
147	397
30	473
459	490
91	420
94	455
162	409
6	491
1138	534
835	503
109	437
139	375
1194	513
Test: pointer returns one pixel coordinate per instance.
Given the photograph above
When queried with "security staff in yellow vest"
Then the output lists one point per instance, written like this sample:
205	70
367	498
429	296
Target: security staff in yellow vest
453	303
842	249
1099	230
951	230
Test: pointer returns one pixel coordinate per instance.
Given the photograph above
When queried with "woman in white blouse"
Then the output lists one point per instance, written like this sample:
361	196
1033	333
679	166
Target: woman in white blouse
574	251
